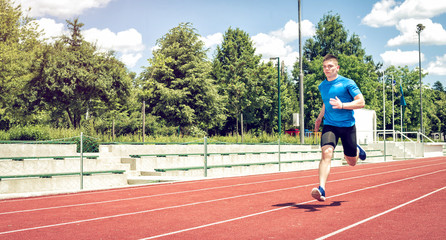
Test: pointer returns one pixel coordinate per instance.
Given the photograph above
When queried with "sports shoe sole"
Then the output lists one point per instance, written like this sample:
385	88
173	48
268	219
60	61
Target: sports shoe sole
316	194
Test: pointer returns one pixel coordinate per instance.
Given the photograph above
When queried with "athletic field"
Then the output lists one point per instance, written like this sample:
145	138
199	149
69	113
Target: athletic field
391	200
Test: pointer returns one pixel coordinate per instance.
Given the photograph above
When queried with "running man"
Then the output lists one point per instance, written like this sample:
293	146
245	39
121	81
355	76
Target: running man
340	96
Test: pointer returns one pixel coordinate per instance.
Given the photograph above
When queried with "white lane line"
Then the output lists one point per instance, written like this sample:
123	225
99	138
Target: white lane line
220	199
180	192
273	210
89	192
151	210
378	215
224	221
151	196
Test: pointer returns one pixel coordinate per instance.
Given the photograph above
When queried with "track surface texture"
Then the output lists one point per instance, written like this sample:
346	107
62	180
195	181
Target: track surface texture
391	200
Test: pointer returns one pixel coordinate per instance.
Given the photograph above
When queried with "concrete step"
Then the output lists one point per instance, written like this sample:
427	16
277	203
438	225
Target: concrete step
150	173
130	161
61	183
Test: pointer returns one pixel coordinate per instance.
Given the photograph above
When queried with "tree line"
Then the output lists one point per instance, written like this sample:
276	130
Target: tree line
69	83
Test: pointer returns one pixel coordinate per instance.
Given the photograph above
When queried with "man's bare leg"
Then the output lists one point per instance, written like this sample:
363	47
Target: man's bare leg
324	171
325	164
351	160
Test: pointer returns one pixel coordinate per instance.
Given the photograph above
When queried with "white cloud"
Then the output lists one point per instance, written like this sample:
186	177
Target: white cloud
433	33
290	32
128	43
50	29
438	67
60	8
400	58
213	40
271	46
131	59
390	12
276	43
125	41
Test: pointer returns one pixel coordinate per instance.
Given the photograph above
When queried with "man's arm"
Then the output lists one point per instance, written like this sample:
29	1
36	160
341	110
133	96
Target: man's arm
318	122
358	102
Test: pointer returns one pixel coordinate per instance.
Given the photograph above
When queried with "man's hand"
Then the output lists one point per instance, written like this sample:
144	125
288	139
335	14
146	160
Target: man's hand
317	124
336	103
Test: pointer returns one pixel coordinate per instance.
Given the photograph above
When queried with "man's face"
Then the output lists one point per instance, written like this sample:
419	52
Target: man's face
331	69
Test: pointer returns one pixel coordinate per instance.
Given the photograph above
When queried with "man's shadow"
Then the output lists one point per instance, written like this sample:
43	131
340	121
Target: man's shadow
310	207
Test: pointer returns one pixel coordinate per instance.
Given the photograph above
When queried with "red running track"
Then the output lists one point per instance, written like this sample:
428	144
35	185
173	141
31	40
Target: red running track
393	200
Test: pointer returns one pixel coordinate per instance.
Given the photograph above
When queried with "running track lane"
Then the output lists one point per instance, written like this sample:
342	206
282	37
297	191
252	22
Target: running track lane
254	207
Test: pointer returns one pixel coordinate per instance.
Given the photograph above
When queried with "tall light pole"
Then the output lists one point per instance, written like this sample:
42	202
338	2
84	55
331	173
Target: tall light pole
393	108
420	28
384	107
301	86
279	120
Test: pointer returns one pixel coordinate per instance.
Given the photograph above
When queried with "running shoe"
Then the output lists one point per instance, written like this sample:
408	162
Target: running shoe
318	194
362	154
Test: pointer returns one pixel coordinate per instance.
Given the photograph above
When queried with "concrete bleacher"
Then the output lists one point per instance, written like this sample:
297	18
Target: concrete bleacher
409	150
164	162
56	167
229	164
26	168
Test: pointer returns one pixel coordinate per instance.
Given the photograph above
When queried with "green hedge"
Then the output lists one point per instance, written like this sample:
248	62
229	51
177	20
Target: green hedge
29	133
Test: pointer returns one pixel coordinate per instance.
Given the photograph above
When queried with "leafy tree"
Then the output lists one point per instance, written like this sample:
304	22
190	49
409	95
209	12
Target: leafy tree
250	87
234	66
439	100
438	86
177	84
288	97
440	103
74	78
365	76
312	97
18	48
332	37
262	114
409	80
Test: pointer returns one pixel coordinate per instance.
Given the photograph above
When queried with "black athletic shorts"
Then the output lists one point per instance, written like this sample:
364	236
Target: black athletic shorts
331	135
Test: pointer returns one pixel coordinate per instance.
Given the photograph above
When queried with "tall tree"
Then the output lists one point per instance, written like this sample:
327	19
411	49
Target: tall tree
410	83
438	86
177	84
440	112
233	68
332	37
74	78
250	87
19	45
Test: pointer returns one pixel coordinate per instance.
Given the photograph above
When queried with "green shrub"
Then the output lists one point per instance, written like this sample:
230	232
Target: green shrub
29	133
4	136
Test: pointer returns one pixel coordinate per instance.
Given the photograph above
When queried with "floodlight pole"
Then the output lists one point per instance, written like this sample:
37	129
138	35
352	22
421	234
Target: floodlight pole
279	120
301	86
420	28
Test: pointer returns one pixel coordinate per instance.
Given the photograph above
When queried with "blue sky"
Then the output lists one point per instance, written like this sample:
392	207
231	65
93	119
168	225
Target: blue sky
387	28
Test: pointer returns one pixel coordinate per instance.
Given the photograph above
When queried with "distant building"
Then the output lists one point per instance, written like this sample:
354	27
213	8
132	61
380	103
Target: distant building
365	125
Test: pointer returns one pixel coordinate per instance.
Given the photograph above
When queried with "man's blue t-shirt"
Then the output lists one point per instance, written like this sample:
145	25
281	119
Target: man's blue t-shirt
345	89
